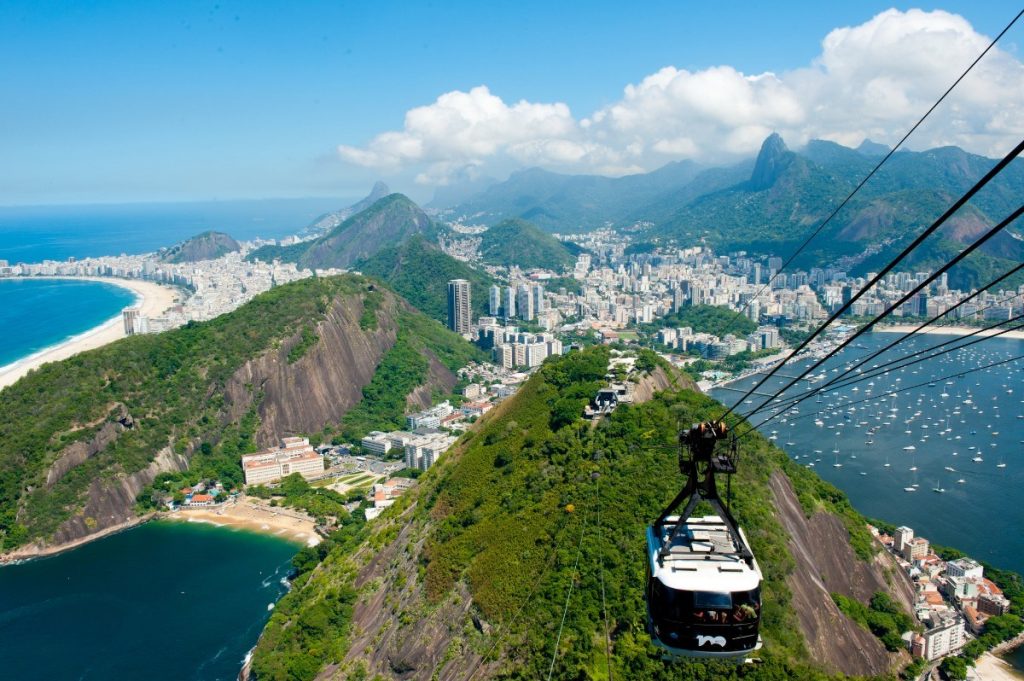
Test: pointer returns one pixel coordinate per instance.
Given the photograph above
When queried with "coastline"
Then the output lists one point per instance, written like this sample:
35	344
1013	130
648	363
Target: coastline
33	551
946	331
250	515
153	299
253	515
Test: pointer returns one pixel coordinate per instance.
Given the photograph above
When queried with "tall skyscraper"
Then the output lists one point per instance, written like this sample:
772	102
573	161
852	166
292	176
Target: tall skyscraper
525	303
508	308
538	298
494	303
459	307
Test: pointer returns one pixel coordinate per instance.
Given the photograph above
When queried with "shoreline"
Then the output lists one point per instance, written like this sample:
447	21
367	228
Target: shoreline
254	516
34	551
249	516
992	667
152	298
947	331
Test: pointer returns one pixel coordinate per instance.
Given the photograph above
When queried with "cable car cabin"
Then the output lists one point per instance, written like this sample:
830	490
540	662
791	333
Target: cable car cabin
703	594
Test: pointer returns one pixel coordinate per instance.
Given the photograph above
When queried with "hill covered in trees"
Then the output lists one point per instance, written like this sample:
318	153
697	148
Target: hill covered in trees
81	438
518	242
387	222
420	272
534	514
205	246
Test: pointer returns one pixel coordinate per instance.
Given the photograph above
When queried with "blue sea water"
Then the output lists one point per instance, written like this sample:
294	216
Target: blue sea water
37	233
166	601
38	313
949	423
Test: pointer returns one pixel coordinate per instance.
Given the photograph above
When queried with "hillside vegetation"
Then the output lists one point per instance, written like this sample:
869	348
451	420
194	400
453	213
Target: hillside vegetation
518	242
386	222
74	433
205	246
420	272
499	521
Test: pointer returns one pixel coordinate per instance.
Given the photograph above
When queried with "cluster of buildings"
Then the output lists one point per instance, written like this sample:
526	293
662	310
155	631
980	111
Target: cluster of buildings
525	302
954	598
384	494
936	299
209	287
294	455
711	346
203	494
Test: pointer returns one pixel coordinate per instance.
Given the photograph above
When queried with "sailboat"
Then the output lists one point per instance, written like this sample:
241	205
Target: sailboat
938	488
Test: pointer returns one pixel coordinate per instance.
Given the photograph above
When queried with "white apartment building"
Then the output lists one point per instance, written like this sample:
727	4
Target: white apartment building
295	455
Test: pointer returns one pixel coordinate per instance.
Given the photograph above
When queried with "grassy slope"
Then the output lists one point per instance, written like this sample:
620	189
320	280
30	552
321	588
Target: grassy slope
499	523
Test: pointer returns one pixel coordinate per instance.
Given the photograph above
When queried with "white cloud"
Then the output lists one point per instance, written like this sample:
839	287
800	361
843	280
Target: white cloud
873	80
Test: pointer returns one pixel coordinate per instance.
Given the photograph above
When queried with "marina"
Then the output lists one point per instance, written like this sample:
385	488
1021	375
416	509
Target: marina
962	438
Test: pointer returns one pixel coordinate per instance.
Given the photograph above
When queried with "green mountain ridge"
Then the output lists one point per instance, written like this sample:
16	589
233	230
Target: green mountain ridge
519	242
420	271
468	575
386	222
81	438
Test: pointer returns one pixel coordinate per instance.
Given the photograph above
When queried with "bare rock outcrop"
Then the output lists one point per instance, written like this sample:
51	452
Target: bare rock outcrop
77	453
322	385
826	563
111	501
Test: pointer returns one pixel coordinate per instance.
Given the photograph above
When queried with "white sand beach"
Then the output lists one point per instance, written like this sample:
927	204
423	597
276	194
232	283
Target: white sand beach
992	668
255	515
153	299
946	331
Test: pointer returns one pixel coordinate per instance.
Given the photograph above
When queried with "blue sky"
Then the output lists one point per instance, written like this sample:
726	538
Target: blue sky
134	101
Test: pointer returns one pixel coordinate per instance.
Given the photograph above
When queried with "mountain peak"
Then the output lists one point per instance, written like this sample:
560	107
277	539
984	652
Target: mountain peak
869	148
379	191
771	161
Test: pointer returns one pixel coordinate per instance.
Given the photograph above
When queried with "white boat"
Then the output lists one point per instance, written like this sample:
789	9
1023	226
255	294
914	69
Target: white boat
909	448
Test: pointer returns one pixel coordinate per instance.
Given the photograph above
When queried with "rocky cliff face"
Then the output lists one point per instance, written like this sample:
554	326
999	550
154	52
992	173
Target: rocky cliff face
826	564
327	381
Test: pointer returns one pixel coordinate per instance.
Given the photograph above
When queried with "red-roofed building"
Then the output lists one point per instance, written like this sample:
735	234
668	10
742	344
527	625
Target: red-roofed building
200	500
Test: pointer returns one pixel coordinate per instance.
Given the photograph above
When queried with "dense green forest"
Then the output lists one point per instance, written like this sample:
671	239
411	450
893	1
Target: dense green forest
420	272
505	511
518	242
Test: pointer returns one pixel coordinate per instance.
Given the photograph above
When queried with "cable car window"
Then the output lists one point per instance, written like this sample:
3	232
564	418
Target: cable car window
712	599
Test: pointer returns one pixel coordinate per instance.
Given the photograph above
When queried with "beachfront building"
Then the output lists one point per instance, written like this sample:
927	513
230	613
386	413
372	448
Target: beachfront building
295	455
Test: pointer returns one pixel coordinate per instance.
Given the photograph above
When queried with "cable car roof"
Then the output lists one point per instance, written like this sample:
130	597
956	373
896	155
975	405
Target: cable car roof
704	556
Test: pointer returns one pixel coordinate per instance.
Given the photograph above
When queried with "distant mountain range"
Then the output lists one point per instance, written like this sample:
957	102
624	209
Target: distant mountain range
395	240
770	206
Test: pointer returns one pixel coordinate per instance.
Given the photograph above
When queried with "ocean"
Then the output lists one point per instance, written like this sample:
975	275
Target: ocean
167	600
38	313
939	429
37	233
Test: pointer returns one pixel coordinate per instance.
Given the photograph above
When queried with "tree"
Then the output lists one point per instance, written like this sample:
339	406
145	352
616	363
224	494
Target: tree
955	668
